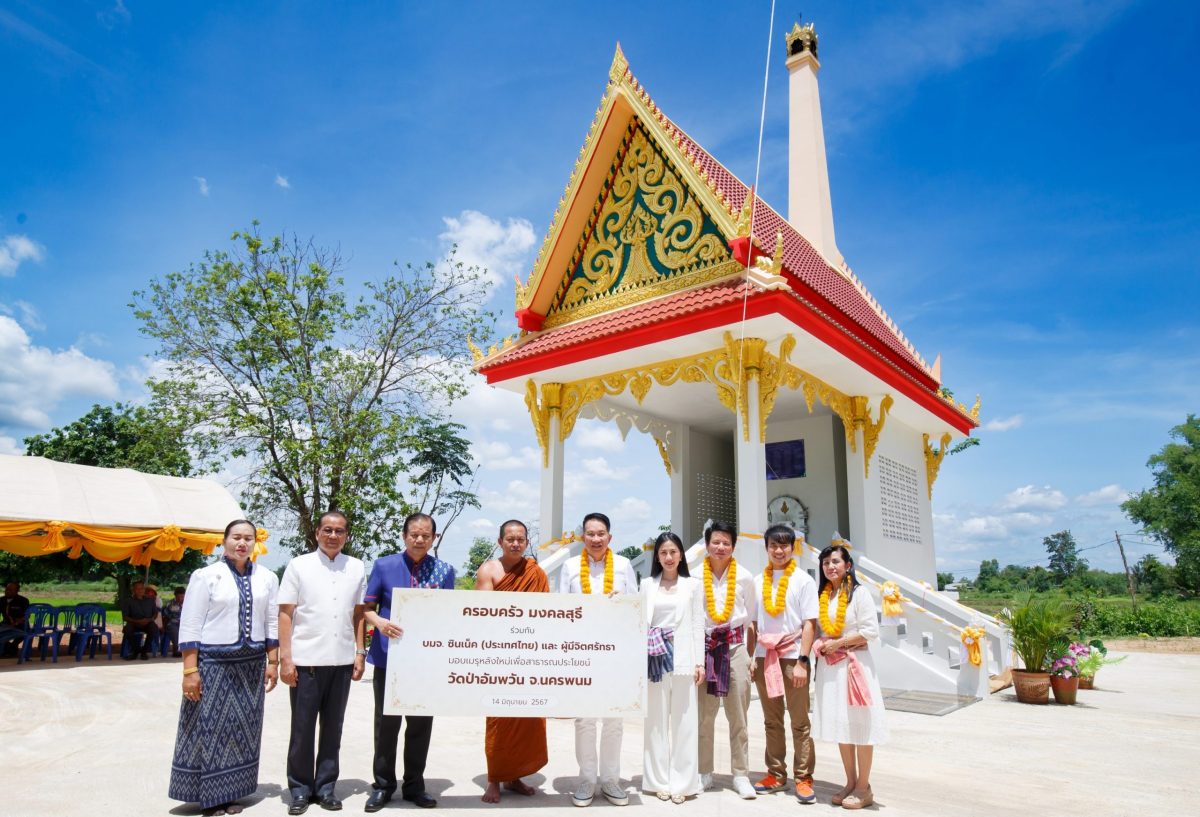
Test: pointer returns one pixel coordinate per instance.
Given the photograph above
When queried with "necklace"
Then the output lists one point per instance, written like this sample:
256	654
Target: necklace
775	608
585	572
834	628
730	590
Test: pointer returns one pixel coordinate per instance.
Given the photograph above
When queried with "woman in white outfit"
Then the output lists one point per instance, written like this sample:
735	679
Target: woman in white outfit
849	706
674	604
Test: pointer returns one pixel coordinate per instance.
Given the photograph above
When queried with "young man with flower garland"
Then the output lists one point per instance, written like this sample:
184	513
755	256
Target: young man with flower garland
598	570
730	606
784	632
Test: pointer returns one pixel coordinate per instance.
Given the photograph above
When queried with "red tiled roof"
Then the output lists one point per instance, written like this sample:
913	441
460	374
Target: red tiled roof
804	263
658	310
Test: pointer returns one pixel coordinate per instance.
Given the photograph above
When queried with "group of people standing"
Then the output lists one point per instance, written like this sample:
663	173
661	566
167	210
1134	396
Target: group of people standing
242	631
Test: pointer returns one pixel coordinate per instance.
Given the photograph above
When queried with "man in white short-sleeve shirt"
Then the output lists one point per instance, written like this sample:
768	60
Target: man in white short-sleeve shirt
783	639
320	652
596	554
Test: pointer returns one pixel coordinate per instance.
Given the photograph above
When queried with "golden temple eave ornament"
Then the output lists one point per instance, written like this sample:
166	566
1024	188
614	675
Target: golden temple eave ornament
933	458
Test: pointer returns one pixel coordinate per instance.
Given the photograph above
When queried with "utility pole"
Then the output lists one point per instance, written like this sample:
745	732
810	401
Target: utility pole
1128	575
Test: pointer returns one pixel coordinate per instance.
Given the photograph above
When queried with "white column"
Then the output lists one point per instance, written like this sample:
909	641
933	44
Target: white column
550	517
810	208
863	501
750	458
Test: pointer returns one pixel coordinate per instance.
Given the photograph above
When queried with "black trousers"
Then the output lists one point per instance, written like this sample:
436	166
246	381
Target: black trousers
387	735
150	629
320	695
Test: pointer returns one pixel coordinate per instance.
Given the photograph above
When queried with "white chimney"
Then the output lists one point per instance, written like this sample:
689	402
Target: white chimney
810	209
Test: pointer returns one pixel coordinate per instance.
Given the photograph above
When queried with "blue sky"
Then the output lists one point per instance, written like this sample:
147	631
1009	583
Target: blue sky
1015	182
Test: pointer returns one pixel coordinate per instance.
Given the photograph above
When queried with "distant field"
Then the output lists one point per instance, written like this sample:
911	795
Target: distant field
1110	615
66	595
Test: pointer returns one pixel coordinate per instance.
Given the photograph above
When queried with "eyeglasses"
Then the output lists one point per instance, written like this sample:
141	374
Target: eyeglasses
334	531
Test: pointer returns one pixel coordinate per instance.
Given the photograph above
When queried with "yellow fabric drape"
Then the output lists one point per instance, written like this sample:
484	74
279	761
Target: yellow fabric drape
972	639
891	595
139	546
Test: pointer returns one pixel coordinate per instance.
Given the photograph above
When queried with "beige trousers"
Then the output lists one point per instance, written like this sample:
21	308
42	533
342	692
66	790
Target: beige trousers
796	701
737	704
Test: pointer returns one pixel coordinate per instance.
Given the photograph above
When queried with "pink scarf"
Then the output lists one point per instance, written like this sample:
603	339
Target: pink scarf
774	644
857	691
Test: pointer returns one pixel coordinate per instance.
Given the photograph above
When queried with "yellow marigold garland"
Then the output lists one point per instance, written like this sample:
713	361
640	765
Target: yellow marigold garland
730	590
775	608
834	628
585	572
972	639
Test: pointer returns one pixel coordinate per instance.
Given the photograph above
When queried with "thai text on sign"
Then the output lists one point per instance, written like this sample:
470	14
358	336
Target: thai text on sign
516	654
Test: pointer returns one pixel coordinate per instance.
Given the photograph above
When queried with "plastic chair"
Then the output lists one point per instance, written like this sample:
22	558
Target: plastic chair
91	627
41	623
66	625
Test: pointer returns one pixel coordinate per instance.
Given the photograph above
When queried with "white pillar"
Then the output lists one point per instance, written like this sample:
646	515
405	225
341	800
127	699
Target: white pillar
810	208
750	458
863	501
550	517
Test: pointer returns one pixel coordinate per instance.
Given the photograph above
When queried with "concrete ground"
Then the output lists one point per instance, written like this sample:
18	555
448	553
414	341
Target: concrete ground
96	739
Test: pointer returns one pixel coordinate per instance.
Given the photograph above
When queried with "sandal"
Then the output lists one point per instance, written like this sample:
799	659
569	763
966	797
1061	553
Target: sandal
662	795
841	795
677	799
213	811
233	808
857	801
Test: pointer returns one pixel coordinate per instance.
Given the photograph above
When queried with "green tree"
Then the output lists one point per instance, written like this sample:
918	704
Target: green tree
328	395
481	550
117	436
1170	511
944	579
631	552
989	575
1064	556
1154	577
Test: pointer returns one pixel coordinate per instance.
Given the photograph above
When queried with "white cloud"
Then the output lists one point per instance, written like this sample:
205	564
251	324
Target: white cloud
633	510
481	526
500	456
598	435
1029	497
282	181
490	409
500	249
1108	495
1005	423
203	184
10	446
34	379
118	14
28	317
16	249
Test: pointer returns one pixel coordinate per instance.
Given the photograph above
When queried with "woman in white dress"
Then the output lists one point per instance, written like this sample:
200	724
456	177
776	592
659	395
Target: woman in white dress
849	706
674	604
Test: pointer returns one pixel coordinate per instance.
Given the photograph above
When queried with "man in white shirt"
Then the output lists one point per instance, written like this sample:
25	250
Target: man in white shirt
729	615
320	651
596	568
787	620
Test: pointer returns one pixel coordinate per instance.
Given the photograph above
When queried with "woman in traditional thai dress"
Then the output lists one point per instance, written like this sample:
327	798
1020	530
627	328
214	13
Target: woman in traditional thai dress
674	604
228	633
849	706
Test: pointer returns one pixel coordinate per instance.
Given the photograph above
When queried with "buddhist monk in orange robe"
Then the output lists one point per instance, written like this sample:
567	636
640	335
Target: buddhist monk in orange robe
515	747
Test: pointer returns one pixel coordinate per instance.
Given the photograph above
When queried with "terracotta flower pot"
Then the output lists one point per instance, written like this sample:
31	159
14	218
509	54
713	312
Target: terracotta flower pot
1031	687
1064	689
1087	681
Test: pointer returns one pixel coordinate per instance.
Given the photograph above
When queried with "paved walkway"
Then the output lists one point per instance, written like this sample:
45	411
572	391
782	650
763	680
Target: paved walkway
96	739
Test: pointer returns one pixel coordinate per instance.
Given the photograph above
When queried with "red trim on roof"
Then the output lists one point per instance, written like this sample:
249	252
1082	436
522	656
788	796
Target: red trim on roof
697	310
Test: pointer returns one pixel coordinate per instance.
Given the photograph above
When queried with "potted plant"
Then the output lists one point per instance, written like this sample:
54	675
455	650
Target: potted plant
1038	626
1064	674
1090	658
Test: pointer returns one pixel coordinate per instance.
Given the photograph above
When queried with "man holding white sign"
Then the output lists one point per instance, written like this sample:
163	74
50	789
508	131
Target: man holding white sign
598	570
514	747
414	568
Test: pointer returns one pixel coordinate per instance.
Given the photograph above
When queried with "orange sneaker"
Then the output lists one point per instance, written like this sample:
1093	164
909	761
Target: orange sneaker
804	791
770	784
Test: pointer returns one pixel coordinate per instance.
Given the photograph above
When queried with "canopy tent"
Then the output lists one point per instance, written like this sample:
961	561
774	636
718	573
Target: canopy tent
113	513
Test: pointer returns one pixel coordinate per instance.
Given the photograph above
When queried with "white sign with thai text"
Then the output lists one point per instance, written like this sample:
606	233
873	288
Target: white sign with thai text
465	652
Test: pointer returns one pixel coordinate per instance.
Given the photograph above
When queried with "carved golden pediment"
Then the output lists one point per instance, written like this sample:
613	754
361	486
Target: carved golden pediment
648	233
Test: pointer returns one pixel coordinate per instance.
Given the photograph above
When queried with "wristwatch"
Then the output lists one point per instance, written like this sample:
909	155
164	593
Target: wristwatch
803	660
360	652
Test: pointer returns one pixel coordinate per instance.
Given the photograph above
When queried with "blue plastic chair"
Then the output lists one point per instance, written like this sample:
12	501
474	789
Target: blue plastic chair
41	624
66	625
91	627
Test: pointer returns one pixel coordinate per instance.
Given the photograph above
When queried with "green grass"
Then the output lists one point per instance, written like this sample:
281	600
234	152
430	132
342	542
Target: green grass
69	596
1108	615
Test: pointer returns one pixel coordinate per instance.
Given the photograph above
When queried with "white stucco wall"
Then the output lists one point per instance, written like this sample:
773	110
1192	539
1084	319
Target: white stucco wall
820	489
902	444
706	454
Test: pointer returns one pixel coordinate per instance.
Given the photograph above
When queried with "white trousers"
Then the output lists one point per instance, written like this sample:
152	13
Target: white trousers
671	761
610	748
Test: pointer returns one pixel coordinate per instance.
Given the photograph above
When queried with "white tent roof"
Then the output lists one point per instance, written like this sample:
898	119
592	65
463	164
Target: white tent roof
35	489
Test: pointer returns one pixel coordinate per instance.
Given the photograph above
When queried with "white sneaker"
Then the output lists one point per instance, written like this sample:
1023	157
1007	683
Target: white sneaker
742	786
583	794
613	793
705	782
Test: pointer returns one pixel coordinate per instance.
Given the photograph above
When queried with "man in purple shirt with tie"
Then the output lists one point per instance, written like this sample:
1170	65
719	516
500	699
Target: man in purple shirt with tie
411	569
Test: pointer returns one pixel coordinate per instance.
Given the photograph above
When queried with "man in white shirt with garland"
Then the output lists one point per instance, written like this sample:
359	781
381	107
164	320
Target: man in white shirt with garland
321	652
730	610
786	625
598	570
